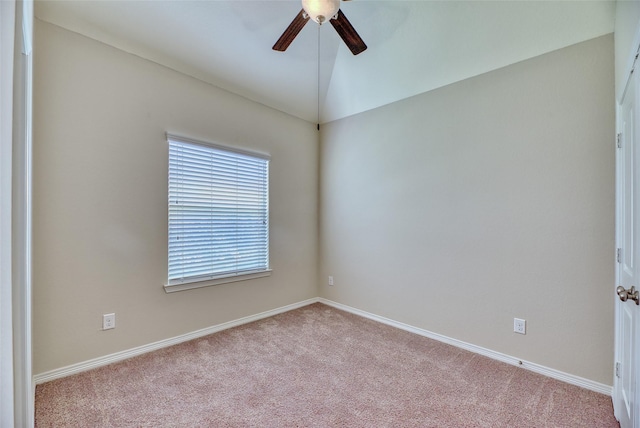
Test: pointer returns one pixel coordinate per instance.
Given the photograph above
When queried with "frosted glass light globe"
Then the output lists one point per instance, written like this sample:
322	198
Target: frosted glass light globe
321	10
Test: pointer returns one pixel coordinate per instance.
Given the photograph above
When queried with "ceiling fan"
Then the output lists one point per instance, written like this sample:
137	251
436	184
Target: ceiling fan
321	11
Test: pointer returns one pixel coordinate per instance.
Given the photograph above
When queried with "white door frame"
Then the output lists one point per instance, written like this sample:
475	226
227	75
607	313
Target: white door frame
16	386
22	178
7	393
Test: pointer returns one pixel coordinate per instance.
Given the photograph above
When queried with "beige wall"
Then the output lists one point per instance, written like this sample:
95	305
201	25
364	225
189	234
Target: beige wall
626	31
493	198
100	200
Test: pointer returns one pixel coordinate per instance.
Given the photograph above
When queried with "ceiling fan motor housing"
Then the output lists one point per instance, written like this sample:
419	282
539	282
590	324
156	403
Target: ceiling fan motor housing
321	10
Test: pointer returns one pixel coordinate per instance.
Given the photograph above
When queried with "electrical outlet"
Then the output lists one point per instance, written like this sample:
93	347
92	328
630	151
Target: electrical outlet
330	280
108	321
519	326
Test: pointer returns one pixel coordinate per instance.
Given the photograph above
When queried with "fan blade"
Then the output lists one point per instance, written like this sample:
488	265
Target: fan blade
291	32
348	33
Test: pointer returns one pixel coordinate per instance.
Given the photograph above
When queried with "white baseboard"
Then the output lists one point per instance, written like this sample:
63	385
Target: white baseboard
123	355
537	368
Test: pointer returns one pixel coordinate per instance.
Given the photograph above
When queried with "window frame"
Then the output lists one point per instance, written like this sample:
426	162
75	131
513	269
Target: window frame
187	283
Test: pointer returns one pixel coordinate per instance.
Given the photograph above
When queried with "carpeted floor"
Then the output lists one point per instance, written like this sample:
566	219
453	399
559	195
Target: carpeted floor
316	367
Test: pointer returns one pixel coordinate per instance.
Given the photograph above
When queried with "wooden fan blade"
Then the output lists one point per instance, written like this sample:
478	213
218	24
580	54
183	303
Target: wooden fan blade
348	33
291	32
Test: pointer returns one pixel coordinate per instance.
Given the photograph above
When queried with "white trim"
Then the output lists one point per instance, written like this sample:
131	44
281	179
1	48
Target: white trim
7	374
119	356
22	232
22	223
537	368
123	355
190	284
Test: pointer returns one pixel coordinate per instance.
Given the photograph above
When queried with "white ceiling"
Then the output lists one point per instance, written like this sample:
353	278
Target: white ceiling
414	46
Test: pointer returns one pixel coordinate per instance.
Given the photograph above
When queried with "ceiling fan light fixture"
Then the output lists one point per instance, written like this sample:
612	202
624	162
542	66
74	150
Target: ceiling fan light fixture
321	10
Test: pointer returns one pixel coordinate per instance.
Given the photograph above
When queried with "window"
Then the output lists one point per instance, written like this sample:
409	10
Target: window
218	214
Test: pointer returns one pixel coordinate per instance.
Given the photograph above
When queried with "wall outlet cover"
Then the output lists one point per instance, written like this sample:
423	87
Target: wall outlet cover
108	321
519	326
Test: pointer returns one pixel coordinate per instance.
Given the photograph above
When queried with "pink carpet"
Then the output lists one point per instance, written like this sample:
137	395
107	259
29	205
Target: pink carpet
316	367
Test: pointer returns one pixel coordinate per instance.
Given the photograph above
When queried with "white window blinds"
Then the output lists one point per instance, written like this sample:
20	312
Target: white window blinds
218	212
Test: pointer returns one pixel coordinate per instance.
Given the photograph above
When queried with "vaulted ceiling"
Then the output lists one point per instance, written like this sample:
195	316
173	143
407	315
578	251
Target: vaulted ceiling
414	46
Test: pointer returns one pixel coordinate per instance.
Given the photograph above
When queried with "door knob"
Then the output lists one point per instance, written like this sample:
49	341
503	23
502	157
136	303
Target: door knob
631	293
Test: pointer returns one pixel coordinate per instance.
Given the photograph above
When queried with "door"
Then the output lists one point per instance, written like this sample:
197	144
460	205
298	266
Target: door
626	395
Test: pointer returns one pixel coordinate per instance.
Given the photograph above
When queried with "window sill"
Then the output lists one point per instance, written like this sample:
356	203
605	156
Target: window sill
199	283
